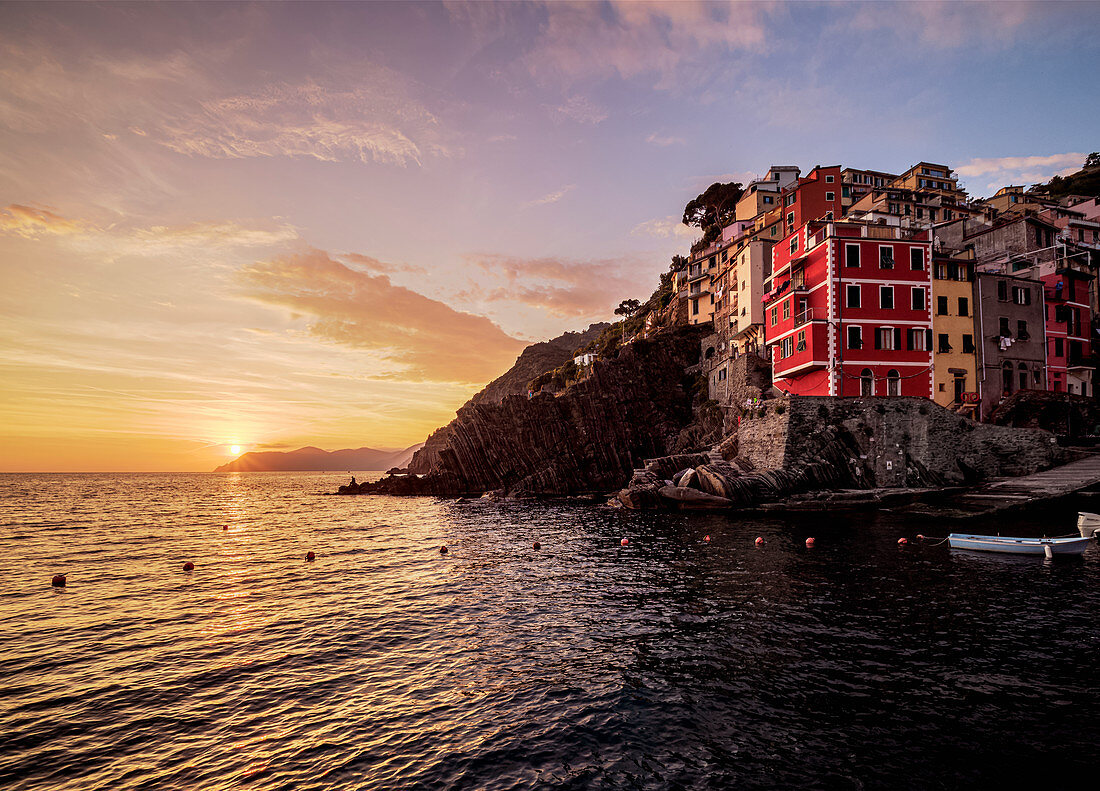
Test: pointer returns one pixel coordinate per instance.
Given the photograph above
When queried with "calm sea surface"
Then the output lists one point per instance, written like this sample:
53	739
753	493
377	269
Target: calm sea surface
671	663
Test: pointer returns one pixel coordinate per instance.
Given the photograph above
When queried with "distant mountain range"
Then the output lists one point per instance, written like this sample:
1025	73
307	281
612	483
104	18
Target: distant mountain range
311	459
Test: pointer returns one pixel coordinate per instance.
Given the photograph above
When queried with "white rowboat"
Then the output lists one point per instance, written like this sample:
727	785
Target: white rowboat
1025	546
1088	524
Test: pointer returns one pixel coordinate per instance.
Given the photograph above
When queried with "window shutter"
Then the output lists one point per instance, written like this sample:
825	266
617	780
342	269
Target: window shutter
897	338
878	338
927	339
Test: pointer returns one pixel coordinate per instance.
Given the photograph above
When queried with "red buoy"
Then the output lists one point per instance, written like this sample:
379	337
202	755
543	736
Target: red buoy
443	550
310	555
58	580
759	541
809	542
920	537
536	545
706	539
189	566
903	541
225	527
624	542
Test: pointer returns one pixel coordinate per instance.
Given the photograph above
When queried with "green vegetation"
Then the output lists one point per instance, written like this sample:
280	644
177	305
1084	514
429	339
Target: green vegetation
1084	182
711	210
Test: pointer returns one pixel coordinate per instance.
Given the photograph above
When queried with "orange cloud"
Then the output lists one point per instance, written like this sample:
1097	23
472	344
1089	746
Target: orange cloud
427	339
30	222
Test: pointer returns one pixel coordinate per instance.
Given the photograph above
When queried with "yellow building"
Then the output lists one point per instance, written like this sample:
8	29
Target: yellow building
954	338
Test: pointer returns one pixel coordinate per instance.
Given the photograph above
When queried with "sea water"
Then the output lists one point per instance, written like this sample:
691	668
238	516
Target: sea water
670	663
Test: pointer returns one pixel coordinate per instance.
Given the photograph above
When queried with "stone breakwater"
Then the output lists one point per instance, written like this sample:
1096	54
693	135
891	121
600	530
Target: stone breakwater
798	444
586	439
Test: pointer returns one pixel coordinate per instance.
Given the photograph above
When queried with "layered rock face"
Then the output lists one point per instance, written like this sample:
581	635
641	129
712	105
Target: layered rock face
587	439
797	444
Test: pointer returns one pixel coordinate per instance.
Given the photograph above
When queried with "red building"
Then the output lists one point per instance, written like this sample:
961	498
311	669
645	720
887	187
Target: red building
815	196
1068	326
848	311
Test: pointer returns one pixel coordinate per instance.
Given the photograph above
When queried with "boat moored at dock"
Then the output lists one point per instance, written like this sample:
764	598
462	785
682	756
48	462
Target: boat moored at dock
1088	524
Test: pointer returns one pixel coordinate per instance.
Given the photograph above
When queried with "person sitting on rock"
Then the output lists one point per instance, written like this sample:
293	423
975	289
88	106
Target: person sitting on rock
353	483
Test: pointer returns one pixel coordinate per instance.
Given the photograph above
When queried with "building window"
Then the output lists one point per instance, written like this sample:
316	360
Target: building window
968	344
851	293
786	309
1002	290
1023	376
1059	347
845	192
830	196
801	345
886	256
790	219
944	345
775	315
1006	378
917	298
855	337
964	306
851	255
917	338
1021	295
941	306
866	383
794	244
893	383
1021	331
695	307
786	348
828	180
916	258
887	338
886	297
1003	329
768	199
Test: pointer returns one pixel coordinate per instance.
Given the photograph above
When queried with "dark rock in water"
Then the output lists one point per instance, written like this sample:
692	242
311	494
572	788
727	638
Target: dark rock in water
587	439
687	479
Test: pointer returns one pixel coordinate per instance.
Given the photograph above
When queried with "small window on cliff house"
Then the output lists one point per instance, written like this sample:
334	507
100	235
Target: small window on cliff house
855	337
1002	290
916	258
866	383
1006	378
893	383
801	346
722	375
851	255
786	309
886	256
1023	376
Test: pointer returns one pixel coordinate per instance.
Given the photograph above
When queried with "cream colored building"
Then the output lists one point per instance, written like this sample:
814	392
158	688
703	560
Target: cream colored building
954	337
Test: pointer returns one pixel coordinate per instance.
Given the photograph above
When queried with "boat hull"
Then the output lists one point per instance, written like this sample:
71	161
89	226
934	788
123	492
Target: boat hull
1088	524
1018	546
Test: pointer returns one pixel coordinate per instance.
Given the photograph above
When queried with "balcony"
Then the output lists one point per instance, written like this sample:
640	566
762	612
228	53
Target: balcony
806	316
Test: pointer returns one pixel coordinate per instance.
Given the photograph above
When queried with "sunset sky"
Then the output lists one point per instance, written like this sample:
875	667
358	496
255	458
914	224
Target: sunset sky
276	225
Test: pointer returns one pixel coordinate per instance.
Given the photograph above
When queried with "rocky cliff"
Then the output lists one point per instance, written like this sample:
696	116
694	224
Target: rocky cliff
585	439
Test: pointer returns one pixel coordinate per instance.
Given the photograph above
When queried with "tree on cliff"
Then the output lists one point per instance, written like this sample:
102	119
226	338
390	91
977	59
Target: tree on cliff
1093	160
714	206
626	309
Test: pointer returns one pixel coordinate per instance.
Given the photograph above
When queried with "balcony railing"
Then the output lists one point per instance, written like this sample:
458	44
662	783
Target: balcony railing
803	317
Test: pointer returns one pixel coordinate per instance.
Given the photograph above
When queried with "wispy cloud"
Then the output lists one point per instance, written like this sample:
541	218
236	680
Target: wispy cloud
664	228
665	140
552	197
30	222
581	110
423	339
995	172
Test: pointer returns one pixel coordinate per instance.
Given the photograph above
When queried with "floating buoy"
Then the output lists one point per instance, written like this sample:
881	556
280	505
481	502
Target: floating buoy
536	545
920	537
58	581
443	550
189	566
624	542
706	539
903	541
225	527
310	555
759	541
809	542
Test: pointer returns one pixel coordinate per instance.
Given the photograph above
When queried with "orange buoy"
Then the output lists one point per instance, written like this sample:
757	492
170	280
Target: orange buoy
903	541
443	550
225	527
536	545
706	539
809	542
58	580
759	541
624	542
189	566
920	537
310	555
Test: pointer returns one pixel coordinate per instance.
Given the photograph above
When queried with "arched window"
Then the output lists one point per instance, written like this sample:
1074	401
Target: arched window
866	383
1006	378
893	383
710	352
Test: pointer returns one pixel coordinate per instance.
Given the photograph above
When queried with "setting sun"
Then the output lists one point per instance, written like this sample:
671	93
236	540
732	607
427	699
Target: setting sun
235	449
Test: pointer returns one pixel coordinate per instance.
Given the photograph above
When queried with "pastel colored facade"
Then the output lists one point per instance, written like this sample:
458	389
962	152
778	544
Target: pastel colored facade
740	310
931	177
762	195
700	288
1068	325
847	311
1089	208
902	207
954	347
1011	351
854	184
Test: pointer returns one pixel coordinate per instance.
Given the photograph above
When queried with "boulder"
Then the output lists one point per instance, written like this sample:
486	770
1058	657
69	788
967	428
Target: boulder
693	499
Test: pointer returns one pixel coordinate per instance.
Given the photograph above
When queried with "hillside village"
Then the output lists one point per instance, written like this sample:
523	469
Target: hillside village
859	282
